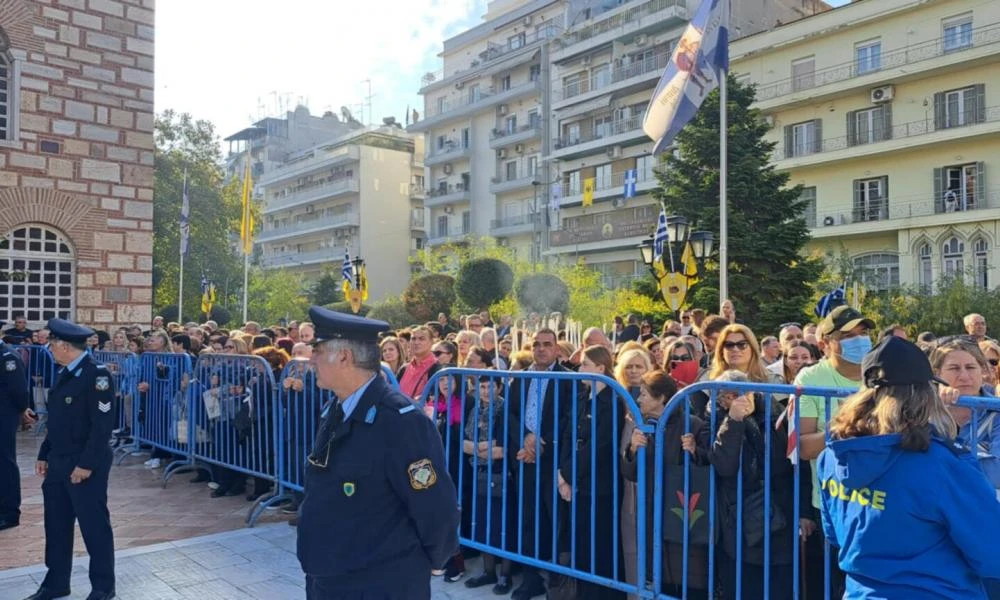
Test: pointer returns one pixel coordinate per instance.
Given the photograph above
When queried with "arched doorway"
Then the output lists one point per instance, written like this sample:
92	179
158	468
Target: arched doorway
37	274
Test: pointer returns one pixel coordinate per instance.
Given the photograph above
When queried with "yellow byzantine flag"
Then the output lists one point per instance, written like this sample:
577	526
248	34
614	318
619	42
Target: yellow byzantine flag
246	223
588	191
689	266
208	299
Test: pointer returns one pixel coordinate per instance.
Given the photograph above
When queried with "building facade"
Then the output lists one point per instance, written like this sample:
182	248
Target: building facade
76	160
887	112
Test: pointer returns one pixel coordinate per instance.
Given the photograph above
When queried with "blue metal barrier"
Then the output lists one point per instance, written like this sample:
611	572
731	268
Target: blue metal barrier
164	407
124	368
40	369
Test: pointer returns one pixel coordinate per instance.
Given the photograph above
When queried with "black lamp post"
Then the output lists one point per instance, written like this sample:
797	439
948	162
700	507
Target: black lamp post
359	291
672	275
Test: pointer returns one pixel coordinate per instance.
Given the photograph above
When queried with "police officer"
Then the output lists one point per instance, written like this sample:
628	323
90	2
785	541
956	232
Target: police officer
380	510
75	460
14	412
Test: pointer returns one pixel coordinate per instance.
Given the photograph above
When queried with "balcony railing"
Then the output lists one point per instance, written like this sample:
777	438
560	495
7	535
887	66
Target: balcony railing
451	151
492	53
316	224
616	183
907	55
888	209
653	64
601	131
478	98
896	132
514	222
311	193
442	236
619	21
298	258
517	179
499	134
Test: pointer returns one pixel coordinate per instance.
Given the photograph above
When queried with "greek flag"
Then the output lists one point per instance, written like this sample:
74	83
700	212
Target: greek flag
831	301
345	268
660	238
631	178
185	214
699	63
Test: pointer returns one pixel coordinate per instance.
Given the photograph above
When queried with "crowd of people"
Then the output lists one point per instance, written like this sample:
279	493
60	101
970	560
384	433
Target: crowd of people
547	468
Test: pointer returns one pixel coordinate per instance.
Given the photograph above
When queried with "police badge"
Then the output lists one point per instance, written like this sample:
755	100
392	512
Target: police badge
10	366
102	384
422	475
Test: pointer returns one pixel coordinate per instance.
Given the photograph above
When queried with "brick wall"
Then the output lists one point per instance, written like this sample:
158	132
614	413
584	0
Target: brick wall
86	84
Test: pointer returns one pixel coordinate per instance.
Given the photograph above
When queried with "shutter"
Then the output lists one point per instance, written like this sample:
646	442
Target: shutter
852	128
886	113
979	93
883	208
789	142
818	130
939	122
980	200
939	190
858	209
970	100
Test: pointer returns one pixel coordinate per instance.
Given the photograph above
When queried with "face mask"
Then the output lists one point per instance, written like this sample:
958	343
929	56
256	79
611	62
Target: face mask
853	350
685	373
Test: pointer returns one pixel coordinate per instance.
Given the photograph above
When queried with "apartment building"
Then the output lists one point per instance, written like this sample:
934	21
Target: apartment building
362	190
887	112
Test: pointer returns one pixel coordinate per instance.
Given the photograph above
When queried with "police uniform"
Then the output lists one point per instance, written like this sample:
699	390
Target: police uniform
79	429
13	403
380	510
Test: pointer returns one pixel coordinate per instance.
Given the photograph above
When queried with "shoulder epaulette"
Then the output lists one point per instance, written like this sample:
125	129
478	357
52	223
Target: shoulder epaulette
407	409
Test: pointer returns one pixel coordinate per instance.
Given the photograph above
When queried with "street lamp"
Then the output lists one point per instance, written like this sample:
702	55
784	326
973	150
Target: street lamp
536	236
673	269
358	292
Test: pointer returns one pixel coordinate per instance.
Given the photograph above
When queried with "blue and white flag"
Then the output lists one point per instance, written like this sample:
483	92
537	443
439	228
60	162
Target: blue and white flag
345	268
185	213
699	63
830	301
631	178
660	238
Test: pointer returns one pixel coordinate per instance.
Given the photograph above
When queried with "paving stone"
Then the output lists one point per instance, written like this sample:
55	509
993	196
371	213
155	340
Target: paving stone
279	587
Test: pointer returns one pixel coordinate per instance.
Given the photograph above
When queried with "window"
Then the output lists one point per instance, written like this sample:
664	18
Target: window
535	72
532	166
7	103
441	105
510	170
442	141
466	137
603	126
981	250
466	221
442	226
644	167
956	108
510	124
571	85
869	125
925	273
803	73
37	274
957	33
960	187
572	133
602	177
952	257
871	202
809	213
505	83
803	138
534	119
868	57
573	183
879	271
516	41
600	76
474	93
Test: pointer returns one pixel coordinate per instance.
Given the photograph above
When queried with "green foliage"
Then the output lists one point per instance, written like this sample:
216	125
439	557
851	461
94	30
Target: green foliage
328	289
483	281
393	311
221	315
275	294
940	310
428	295
769	277
543	293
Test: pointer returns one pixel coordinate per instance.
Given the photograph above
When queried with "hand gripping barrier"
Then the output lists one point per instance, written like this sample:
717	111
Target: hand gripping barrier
40	369
124	367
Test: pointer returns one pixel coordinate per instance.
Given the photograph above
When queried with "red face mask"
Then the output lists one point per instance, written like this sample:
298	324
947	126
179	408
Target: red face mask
685	373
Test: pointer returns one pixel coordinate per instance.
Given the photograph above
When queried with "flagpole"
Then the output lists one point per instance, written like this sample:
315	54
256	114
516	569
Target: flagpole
723	177
246	279
180	284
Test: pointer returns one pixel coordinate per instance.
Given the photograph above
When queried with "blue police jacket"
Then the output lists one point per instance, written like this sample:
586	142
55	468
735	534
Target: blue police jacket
380	510
909	525
13	381
80	415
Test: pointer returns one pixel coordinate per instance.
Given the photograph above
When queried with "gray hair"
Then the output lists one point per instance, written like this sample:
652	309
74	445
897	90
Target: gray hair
367	355
732	376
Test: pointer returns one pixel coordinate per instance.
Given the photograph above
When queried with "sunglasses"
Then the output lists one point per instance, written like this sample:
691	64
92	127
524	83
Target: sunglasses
680	358
440	352
741	345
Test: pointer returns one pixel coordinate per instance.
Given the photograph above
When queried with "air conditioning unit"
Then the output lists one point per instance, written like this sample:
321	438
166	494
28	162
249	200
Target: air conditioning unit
309	209
829	221
618	202
503	242
883	94
459	85
585	60
494	180
615	152
641	39
503	108
519	148
528	20
769	120
502	153
447	169
448	210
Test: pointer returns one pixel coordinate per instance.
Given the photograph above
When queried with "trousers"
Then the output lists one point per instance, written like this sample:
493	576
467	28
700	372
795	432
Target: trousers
10	475
326	588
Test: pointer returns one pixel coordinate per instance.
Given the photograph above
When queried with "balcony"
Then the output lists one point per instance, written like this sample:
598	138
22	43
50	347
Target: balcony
903	136
312	193
890	214
471	104
294	259
924	56
632	18
418	222
609	134
321	159
625	78
618	226
517	180
514	225
612	187
315	225
452	151
501	137
494	54
453	194
451	235
417	192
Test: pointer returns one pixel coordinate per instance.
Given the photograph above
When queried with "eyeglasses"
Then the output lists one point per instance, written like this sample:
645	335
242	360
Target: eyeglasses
680	358
440	352
741	345
228	347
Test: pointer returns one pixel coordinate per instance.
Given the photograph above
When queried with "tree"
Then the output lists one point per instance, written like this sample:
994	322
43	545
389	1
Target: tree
543	293
345	307
276	294
328	289
428	295
769	276
482	282
391	310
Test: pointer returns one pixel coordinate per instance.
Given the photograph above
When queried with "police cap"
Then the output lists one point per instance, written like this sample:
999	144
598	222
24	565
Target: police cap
332	325
895	361
61	329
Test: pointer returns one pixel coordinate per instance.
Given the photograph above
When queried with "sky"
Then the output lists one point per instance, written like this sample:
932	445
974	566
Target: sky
235	61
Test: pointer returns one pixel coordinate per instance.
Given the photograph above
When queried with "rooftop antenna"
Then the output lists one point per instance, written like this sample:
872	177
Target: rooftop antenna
368	102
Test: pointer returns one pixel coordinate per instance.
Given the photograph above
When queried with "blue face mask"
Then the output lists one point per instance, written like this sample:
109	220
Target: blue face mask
853	349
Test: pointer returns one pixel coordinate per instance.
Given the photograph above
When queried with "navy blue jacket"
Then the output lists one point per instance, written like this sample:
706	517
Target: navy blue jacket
13	381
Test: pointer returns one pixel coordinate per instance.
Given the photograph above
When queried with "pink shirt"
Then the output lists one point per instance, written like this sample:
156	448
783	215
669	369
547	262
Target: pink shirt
415	376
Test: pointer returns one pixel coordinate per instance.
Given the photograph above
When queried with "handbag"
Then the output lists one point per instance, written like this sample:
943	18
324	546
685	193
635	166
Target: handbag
244	420
213	408
697	506
753	518
492	481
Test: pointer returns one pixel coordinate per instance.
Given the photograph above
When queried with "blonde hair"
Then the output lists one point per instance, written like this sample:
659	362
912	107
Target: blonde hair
625	358
400	352
240	345
755	368
914	411
941	352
